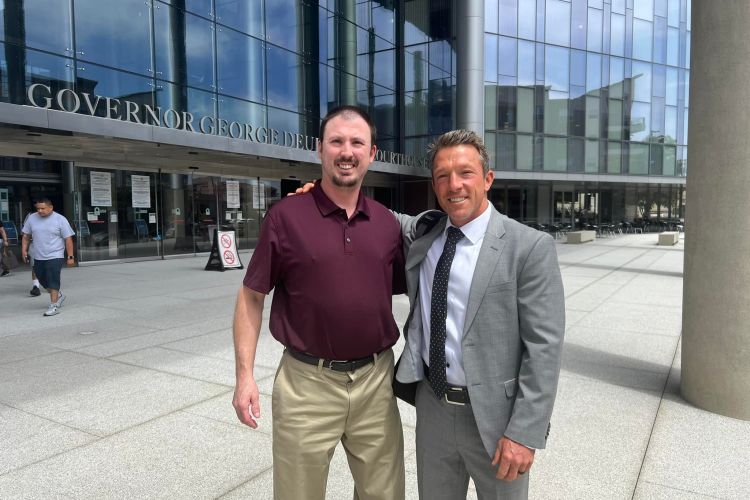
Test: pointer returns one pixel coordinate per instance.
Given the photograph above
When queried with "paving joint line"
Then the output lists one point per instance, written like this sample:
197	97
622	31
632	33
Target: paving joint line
656	417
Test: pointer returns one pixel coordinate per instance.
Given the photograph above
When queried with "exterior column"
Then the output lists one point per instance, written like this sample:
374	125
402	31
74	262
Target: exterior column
716	316
470	65
346	51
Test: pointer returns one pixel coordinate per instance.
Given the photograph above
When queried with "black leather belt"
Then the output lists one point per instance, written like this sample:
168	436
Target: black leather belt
336	365
454	394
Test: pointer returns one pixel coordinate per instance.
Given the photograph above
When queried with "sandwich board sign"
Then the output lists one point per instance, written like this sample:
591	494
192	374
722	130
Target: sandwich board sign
224	252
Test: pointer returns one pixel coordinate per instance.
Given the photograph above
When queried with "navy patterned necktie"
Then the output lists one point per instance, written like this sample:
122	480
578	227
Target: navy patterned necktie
439	312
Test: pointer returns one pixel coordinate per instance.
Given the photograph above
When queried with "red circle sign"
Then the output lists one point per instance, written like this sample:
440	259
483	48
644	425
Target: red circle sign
229	257
226	241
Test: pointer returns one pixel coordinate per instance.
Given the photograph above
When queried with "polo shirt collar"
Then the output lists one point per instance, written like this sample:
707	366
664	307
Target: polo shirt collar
327	207
474	230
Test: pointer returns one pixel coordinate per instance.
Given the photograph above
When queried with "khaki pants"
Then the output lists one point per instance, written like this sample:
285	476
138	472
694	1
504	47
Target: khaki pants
314	408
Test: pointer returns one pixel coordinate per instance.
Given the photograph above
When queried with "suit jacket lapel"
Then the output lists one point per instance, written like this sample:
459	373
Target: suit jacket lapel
489	256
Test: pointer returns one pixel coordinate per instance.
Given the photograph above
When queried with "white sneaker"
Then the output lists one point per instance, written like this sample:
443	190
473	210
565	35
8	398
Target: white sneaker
52	310
60	300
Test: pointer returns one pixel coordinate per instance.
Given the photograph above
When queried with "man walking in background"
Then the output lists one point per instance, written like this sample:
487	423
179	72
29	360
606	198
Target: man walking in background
53	238
330	256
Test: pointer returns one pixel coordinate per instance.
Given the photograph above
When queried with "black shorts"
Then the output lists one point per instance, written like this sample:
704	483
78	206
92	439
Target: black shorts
48	272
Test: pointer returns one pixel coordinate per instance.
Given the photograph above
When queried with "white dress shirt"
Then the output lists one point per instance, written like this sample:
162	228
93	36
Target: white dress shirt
459	284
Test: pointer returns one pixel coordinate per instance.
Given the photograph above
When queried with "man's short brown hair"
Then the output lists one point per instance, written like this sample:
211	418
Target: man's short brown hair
459	137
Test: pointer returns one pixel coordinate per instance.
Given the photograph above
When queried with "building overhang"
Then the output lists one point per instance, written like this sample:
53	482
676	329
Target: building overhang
32	132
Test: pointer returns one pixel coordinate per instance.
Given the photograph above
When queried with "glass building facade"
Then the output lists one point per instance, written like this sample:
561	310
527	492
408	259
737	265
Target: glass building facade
598	88
585	108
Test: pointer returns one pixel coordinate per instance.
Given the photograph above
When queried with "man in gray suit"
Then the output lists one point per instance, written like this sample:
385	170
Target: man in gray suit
484	333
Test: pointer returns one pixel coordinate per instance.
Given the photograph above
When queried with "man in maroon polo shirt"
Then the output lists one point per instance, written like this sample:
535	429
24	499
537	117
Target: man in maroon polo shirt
330	256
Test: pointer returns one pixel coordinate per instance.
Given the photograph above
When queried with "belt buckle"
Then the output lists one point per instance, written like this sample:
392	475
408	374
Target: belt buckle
456	403
337	362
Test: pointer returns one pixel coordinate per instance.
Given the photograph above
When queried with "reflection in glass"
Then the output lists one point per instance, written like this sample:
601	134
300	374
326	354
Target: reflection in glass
490	16
638	162
556	68
525	109
47	26
577	68
578	32
660	40
285	76
117	84
592	117
169	41
527	20
591	160
594	30
118	34
506	151
656	161
615	129
641	81
614	157
556	113
617	35
659	88
576	155
670	160
199	50
643	9
555	154
557	22
416	68
593	73
673	46
284	24
640	121
285	120
673	16
242	15
506	103
54	71
526	65
524	152
200	7
241	65
508	16
657	119
490	58
642	39
616	77
235	110
670	125
506	56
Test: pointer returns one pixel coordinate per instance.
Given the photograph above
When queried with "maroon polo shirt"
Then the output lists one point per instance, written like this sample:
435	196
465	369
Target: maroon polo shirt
332	277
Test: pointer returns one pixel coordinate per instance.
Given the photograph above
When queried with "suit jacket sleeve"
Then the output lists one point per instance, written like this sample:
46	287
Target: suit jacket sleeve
541	317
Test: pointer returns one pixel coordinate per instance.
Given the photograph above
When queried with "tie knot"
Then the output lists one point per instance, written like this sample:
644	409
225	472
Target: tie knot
454	234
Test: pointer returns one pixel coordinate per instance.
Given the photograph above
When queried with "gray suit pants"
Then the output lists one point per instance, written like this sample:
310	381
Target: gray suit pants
449	451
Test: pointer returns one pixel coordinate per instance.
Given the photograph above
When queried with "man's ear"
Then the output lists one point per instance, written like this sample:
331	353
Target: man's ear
373	150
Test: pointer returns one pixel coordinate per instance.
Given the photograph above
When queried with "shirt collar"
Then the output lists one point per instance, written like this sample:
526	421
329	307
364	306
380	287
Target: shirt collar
327	207
474	230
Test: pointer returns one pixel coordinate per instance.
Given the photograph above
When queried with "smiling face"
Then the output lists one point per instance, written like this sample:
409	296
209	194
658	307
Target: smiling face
460	184
346	151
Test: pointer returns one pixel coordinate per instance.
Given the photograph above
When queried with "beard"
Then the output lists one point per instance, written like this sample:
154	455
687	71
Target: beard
346	182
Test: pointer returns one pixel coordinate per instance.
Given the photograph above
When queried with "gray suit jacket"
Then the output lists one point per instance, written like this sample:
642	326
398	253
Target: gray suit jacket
513	332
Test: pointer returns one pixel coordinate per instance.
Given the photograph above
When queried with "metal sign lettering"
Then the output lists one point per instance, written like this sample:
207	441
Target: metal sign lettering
70	101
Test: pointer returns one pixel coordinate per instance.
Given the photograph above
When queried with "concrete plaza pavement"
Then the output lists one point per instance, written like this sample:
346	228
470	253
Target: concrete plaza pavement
126	393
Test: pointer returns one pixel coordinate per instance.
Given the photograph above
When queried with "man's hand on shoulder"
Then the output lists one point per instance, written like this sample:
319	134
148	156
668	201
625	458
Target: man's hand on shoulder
513	459
246	401
306	187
